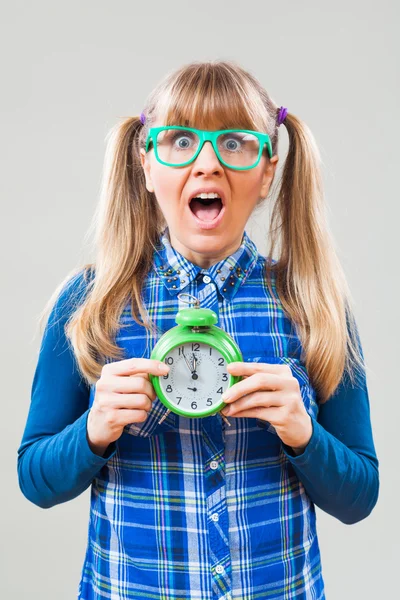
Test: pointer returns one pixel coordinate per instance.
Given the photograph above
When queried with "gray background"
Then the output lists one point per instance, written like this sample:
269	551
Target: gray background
69	71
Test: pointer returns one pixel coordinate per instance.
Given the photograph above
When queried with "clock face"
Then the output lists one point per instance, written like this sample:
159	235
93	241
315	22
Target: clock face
197	377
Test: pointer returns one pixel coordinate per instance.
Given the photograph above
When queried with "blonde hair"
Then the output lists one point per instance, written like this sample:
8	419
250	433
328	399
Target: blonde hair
309	279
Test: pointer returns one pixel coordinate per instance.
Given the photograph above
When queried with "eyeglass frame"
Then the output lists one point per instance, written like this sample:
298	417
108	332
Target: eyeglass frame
208	136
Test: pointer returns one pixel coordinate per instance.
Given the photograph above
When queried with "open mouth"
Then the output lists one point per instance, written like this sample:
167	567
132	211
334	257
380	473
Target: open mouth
206	209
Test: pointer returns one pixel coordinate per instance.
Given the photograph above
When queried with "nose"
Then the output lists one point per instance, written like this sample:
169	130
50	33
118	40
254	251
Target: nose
207	160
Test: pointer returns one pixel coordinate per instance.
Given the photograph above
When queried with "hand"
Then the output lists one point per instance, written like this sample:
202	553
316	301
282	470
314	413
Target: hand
123	395
270	392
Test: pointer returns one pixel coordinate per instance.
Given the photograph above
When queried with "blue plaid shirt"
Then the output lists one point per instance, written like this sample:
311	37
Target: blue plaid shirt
192	508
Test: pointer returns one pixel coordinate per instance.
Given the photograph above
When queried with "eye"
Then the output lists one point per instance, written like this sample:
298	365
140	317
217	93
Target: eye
182	140
231	143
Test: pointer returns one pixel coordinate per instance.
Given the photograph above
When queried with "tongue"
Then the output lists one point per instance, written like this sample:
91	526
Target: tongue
205	213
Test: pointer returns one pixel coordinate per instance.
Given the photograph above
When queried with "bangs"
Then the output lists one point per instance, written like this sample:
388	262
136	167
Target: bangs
208	99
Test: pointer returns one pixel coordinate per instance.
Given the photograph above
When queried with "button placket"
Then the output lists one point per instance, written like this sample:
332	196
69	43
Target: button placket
215	488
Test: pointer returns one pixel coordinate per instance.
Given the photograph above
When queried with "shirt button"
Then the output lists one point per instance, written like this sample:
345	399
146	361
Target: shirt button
206	279
219	569
213	465
215	517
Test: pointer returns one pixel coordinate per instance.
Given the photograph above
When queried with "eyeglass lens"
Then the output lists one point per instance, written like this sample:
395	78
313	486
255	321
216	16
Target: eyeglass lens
177	146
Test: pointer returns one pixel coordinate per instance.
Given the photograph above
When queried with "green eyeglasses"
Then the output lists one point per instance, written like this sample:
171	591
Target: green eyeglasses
238	149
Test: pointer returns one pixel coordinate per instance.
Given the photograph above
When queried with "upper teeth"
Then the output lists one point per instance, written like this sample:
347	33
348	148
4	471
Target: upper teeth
208	195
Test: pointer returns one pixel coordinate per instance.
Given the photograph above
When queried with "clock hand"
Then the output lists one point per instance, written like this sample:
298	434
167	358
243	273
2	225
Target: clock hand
194	374
193	369
193	389
187	361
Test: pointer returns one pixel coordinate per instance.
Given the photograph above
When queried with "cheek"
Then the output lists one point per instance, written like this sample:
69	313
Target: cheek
168	189
247	193
246	184
254	183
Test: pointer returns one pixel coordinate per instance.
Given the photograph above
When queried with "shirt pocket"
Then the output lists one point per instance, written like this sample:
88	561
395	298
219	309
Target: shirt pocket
151	426
299	371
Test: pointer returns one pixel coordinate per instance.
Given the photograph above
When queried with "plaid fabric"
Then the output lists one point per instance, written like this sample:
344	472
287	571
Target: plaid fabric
192	508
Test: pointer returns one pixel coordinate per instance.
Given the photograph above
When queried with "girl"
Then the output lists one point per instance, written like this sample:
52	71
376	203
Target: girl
193	508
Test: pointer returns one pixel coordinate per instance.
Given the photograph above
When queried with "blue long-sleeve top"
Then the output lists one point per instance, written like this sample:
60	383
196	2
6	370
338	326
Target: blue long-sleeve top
338	468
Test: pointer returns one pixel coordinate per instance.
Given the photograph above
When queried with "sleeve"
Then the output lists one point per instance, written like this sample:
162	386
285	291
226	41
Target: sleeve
339	467
55	462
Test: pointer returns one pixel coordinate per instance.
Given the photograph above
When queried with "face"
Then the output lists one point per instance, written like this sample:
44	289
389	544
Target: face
173	186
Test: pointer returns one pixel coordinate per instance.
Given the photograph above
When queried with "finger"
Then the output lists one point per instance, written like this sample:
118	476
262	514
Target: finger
127	416
258	381
133	366
249	368
256	399
131	401
125	385
257	412
144	375
269	415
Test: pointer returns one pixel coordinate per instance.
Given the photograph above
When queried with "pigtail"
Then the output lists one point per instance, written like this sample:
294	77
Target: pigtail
126	223
309	279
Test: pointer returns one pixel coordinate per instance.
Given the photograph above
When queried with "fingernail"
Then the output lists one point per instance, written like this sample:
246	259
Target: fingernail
163	368
226	410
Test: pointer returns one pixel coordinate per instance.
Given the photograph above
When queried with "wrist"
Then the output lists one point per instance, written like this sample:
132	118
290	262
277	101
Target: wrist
299	449
98	448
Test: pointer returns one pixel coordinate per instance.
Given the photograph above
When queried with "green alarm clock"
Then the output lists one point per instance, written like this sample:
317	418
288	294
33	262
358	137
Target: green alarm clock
197	353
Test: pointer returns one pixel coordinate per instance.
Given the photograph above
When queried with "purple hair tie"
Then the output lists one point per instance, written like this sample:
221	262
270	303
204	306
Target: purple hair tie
143	118
281	115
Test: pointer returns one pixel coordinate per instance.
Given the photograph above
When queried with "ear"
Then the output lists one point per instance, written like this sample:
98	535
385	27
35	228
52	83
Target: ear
268	175
146	168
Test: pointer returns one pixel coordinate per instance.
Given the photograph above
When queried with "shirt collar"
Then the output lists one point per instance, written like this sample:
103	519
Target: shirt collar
177	272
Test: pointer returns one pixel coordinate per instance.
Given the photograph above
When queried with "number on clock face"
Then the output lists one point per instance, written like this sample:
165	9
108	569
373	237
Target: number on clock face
197	377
